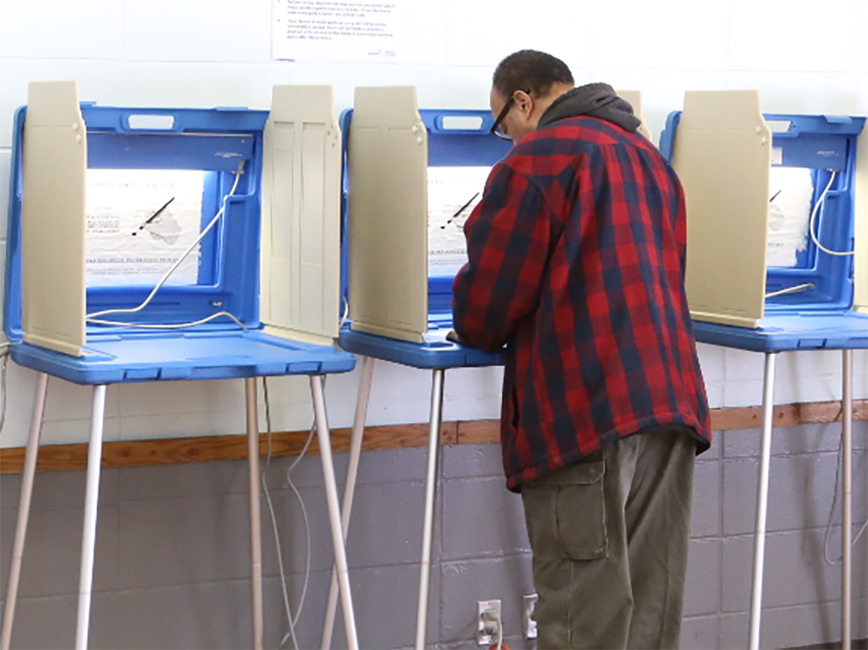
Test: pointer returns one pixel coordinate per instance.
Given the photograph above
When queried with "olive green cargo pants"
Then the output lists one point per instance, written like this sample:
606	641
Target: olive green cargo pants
609	537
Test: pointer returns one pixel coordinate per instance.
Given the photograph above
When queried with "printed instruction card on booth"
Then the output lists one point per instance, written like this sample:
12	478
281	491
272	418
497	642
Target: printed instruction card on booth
453	193
139	222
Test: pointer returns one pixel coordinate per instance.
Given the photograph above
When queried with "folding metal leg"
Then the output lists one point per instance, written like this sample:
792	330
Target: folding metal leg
255	521
349	488
762	501
24	507
430	490
847	505
316	386
91	503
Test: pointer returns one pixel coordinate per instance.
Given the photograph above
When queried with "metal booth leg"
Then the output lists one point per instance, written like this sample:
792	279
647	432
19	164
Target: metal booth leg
762	501
847	505
24	507
316	387
255	521
349	488
91	503
430	489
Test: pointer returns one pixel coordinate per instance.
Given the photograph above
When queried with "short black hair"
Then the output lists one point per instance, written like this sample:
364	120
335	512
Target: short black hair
530	70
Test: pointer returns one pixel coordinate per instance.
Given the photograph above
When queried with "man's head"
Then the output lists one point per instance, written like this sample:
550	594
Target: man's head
524	86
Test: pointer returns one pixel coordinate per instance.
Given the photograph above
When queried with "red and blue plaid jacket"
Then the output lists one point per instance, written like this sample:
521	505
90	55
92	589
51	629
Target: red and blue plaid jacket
577	256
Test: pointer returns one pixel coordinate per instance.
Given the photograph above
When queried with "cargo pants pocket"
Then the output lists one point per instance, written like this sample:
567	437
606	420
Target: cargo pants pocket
566	512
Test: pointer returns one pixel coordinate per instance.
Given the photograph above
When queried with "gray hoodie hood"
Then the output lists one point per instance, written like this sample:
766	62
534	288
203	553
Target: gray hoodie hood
594	100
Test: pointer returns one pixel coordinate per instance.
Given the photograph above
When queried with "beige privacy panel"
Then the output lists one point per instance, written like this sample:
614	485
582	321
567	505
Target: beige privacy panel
388	214
722	155
300	249
634	97
860	300
53	218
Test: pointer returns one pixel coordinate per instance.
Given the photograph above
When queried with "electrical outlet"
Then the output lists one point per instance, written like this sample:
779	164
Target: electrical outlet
528	624
487	620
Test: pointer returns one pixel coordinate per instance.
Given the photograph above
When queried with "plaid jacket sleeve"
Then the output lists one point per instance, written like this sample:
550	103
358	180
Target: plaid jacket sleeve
508	243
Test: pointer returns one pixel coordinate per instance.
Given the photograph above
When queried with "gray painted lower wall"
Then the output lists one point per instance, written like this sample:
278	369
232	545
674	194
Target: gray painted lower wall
172	549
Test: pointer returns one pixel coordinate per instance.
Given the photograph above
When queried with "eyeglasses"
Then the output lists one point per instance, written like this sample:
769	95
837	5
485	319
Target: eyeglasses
495	128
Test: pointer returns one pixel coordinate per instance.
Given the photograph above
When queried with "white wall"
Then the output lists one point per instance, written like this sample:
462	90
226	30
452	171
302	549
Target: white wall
803	57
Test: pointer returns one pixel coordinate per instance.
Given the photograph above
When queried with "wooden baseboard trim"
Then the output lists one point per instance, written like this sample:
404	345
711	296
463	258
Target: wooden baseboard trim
171	451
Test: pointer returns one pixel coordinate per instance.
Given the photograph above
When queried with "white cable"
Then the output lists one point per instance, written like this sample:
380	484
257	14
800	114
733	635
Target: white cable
859	534
292	621
828	532
346	313
811	228
278	545
796	289
167	326
304	517
827	535
308	540
133	310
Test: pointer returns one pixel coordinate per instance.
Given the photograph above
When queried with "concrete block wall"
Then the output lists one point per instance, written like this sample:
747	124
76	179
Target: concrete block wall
172	549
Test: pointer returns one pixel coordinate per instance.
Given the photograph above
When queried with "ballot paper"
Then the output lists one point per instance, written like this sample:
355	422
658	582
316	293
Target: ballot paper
453	193
790	192
139	222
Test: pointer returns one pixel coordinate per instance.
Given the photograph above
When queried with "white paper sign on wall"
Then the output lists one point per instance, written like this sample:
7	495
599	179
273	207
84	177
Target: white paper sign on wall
337	31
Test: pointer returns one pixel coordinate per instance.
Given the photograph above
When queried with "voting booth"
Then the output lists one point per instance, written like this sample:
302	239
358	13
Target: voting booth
776	248
783	274
411	178
174	244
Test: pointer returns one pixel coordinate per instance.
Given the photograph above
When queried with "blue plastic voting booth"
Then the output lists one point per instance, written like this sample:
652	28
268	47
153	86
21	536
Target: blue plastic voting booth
104	200
772	209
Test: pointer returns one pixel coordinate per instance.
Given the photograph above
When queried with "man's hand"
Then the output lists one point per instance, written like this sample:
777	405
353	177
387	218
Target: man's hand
455	337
